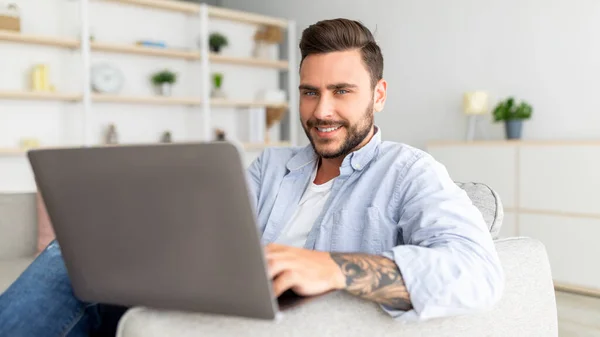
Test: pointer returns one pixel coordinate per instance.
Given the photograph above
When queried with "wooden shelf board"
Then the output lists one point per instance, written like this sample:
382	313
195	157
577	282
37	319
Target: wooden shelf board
33	95
559	286
245	17
38	39
249	61
133	99
246	104
141	50
213	12
145	99
168	5
549	142
12	151
247	146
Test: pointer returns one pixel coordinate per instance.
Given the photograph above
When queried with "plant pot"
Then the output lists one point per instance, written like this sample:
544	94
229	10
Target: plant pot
215	49
514	128
217	93
165	89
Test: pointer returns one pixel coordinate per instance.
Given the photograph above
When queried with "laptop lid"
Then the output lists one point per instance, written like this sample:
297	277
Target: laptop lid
166	226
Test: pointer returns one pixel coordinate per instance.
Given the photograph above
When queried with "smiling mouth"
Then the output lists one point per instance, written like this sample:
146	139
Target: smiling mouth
329	129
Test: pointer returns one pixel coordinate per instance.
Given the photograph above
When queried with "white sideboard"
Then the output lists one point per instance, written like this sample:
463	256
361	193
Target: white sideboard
550	191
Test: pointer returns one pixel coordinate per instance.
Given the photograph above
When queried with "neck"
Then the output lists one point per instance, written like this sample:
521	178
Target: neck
329	168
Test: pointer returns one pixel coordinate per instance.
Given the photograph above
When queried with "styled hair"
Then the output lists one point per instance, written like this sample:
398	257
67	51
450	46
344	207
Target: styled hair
341	35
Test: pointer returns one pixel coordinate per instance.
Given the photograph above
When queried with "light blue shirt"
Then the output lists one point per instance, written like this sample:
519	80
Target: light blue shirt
394	200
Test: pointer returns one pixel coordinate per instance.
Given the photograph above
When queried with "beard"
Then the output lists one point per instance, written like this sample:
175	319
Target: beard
355	134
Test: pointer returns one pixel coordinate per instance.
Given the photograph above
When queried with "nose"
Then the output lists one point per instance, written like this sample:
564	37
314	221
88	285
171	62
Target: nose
325	108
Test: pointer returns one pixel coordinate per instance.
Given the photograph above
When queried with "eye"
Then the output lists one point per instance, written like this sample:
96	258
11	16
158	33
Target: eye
342	91
309	93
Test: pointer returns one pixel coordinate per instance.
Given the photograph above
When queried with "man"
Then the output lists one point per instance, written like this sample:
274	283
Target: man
380	220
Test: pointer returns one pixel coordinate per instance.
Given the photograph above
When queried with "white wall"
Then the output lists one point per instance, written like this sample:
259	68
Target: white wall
60	123
546	51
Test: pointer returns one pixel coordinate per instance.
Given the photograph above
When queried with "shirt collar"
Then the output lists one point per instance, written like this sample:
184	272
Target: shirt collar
357	160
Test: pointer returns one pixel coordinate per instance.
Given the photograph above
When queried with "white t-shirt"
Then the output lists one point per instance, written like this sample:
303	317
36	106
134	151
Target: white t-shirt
310	207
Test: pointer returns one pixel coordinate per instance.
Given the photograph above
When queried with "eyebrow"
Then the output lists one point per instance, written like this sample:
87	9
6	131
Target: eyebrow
329	87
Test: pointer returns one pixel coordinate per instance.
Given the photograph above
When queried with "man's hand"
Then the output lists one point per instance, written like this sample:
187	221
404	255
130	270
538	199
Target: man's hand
306	272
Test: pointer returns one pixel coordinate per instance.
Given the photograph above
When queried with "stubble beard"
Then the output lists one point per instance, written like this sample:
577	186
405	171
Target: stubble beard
355	134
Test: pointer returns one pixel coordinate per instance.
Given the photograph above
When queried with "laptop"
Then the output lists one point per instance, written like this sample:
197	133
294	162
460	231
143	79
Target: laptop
168	226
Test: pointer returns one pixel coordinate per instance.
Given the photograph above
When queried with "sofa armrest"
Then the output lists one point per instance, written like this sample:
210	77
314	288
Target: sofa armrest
18	225
527	308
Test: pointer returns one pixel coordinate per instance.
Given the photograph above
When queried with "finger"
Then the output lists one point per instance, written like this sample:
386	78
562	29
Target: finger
284	282
273	247
277	266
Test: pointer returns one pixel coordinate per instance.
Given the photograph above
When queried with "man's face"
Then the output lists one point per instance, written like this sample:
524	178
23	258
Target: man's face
337	102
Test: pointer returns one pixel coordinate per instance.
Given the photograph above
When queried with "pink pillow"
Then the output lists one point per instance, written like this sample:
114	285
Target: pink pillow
45	231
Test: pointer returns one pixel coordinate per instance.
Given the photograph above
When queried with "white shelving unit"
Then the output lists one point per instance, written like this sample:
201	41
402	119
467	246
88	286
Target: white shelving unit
207	60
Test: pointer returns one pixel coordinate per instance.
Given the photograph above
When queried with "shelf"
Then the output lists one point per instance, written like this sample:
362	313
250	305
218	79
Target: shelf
141	50
12	151
515	142
246	104
145	99
249	61
247	146
245	17
168	5
128	99
213	12
187	55
39	96
38	39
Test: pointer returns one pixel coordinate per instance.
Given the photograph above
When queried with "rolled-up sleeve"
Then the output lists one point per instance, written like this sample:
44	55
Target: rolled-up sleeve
448	259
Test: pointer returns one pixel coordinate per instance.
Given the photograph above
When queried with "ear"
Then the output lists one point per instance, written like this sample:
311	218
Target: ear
379	95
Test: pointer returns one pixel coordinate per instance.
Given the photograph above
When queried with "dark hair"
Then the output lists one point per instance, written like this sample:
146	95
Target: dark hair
340	35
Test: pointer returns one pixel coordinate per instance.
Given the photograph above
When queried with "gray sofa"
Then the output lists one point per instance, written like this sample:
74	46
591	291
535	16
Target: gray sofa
528	307
18	235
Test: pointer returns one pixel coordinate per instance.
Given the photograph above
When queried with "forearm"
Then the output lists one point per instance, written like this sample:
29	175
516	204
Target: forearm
374	278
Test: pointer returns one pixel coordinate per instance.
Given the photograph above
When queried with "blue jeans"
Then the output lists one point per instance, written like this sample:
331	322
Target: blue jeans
41	303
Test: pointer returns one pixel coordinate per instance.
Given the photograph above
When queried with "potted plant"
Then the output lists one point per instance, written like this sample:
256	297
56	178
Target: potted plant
217	83
217	41
513	115
164	80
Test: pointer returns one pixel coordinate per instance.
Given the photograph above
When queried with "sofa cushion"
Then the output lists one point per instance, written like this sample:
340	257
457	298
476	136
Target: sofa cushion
489	204
11	269
527	309
18	225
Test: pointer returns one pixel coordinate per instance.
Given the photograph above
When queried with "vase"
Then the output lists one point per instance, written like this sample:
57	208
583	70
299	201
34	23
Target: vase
164	89
261	50
514	128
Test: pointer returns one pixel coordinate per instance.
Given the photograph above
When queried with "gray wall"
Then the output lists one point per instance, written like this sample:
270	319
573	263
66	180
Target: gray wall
546	51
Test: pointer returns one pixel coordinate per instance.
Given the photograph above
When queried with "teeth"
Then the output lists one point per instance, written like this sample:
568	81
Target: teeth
328	129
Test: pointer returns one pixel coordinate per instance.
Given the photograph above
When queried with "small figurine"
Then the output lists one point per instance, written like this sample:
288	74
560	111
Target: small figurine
220	134
166	137
112	137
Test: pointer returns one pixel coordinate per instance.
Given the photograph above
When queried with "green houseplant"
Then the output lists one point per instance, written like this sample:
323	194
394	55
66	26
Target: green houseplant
513	114
164	80
217	41
217	83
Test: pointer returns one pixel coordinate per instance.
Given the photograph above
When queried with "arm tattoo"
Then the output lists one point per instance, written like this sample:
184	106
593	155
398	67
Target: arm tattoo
374	278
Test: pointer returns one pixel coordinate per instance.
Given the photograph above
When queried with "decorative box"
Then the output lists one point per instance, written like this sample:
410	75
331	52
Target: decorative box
10	18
